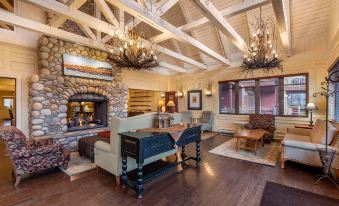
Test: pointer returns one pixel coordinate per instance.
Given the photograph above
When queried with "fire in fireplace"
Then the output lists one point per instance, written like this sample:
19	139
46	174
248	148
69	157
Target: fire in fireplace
86	111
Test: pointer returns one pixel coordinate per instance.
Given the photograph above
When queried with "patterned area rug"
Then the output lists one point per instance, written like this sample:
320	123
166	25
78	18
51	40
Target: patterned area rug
207	135
266	155
78	165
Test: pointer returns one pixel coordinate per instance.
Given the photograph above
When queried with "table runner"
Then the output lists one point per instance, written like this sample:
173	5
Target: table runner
176	131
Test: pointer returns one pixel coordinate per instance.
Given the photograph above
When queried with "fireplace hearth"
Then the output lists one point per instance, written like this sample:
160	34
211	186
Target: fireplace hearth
86	111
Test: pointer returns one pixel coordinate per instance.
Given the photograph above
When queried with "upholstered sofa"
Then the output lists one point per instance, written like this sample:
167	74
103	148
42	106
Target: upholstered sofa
32	156
302	145
108	155
263	121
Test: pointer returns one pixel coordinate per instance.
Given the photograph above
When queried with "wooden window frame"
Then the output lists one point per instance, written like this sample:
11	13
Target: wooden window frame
257	92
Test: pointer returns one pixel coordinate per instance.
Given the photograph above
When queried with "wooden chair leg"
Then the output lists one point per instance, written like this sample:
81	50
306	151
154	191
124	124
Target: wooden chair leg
117	180
282	158
17	180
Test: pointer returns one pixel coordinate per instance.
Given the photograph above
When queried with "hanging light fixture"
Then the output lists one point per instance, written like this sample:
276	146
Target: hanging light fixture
262	52
130	49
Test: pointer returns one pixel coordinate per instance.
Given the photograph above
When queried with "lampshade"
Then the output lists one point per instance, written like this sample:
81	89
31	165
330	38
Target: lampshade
161	103
170	103
311	106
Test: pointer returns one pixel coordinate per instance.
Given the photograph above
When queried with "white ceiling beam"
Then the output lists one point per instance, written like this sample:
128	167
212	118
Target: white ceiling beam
223	41
157	22
10	18
107	12
186	14
282	13
172	67
7	5
213	14
180	57
161	10
74	5
98	15
227	12
102	26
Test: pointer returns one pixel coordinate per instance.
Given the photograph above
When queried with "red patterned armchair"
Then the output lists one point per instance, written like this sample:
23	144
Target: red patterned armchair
263	121
32	156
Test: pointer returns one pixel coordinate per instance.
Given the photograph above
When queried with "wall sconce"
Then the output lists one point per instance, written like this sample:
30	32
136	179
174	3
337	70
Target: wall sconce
162	94
208	90
180	94
208	93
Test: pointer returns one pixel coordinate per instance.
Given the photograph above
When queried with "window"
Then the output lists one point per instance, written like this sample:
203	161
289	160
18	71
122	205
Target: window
8	102
247	97
281	95
227	98
295	95
269	96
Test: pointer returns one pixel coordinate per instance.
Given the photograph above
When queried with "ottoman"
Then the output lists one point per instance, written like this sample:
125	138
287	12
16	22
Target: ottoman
86	145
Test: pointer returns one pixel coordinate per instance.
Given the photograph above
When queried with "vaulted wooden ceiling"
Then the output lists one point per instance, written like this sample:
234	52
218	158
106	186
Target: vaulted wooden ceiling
190	34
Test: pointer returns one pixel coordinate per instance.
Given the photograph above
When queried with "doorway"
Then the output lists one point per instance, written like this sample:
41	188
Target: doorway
7	102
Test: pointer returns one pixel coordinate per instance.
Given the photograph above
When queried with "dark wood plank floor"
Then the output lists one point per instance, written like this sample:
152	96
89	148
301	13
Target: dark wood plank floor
219	181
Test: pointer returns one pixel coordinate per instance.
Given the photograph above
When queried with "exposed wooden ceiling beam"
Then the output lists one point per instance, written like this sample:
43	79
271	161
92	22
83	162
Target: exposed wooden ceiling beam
7	5
224	43
172	67
102	26
227	12
157	22
10	18
107	12
185	11
282	13
213	14
59	20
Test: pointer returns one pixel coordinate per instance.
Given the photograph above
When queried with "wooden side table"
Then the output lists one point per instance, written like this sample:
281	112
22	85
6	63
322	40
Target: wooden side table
303	126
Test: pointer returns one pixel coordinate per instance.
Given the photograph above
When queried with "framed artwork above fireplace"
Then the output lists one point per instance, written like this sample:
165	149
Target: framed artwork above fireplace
88	68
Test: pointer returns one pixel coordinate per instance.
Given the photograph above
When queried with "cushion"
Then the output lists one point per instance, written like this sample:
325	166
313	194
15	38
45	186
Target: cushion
105	134
318	134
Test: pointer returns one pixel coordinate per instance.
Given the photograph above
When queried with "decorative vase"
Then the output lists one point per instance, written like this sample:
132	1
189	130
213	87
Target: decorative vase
326	158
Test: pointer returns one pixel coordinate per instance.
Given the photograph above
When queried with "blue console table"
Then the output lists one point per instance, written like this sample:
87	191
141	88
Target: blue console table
142	145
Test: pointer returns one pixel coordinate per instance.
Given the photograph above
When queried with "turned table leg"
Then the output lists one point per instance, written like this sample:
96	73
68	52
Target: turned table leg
197	147
140	182
124	176
183	155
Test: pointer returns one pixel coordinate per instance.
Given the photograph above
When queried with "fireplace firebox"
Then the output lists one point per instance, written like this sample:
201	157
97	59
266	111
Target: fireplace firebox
86	111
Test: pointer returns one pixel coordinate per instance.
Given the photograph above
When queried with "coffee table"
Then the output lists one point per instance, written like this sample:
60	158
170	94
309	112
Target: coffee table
251	136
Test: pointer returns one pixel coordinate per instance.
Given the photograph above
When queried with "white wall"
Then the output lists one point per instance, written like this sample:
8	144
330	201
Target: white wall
19	63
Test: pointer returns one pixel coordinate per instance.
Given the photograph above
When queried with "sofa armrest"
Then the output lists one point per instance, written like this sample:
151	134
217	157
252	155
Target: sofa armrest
306	145
41	141
299	131
104	146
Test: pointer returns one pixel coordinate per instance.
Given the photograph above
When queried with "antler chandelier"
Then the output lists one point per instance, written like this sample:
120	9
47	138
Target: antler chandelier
262	48
130	50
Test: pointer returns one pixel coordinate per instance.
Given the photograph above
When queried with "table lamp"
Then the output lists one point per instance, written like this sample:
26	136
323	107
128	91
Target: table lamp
310	107
170	105
161	103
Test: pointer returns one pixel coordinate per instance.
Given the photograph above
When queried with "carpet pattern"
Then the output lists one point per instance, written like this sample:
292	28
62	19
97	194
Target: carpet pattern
280	195
78	164
266	155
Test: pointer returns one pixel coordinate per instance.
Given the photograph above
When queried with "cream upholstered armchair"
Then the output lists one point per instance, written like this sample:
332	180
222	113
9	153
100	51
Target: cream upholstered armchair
108	155
302	145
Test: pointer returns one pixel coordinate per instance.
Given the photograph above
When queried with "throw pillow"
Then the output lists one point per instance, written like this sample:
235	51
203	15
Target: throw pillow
318	134
105	134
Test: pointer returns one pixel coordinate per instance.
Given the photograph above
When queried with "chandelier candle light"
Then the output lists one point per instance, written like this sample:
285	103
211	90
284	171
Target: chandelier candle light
130	50
262	48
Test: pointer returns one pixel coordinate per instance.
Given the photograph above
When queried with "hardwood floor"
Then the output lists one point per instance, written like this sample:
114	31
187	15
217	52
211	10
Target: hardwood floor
219	181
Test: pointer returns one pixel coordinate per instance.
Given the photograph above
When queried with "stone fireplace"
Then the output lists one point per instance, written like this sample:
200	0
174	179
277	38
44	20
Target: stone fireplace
86	111
55	99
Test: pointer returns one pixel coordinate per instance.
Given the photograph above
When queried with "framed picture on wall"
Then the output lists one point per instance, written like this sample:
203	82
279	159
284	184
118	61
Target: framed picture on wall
194	98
